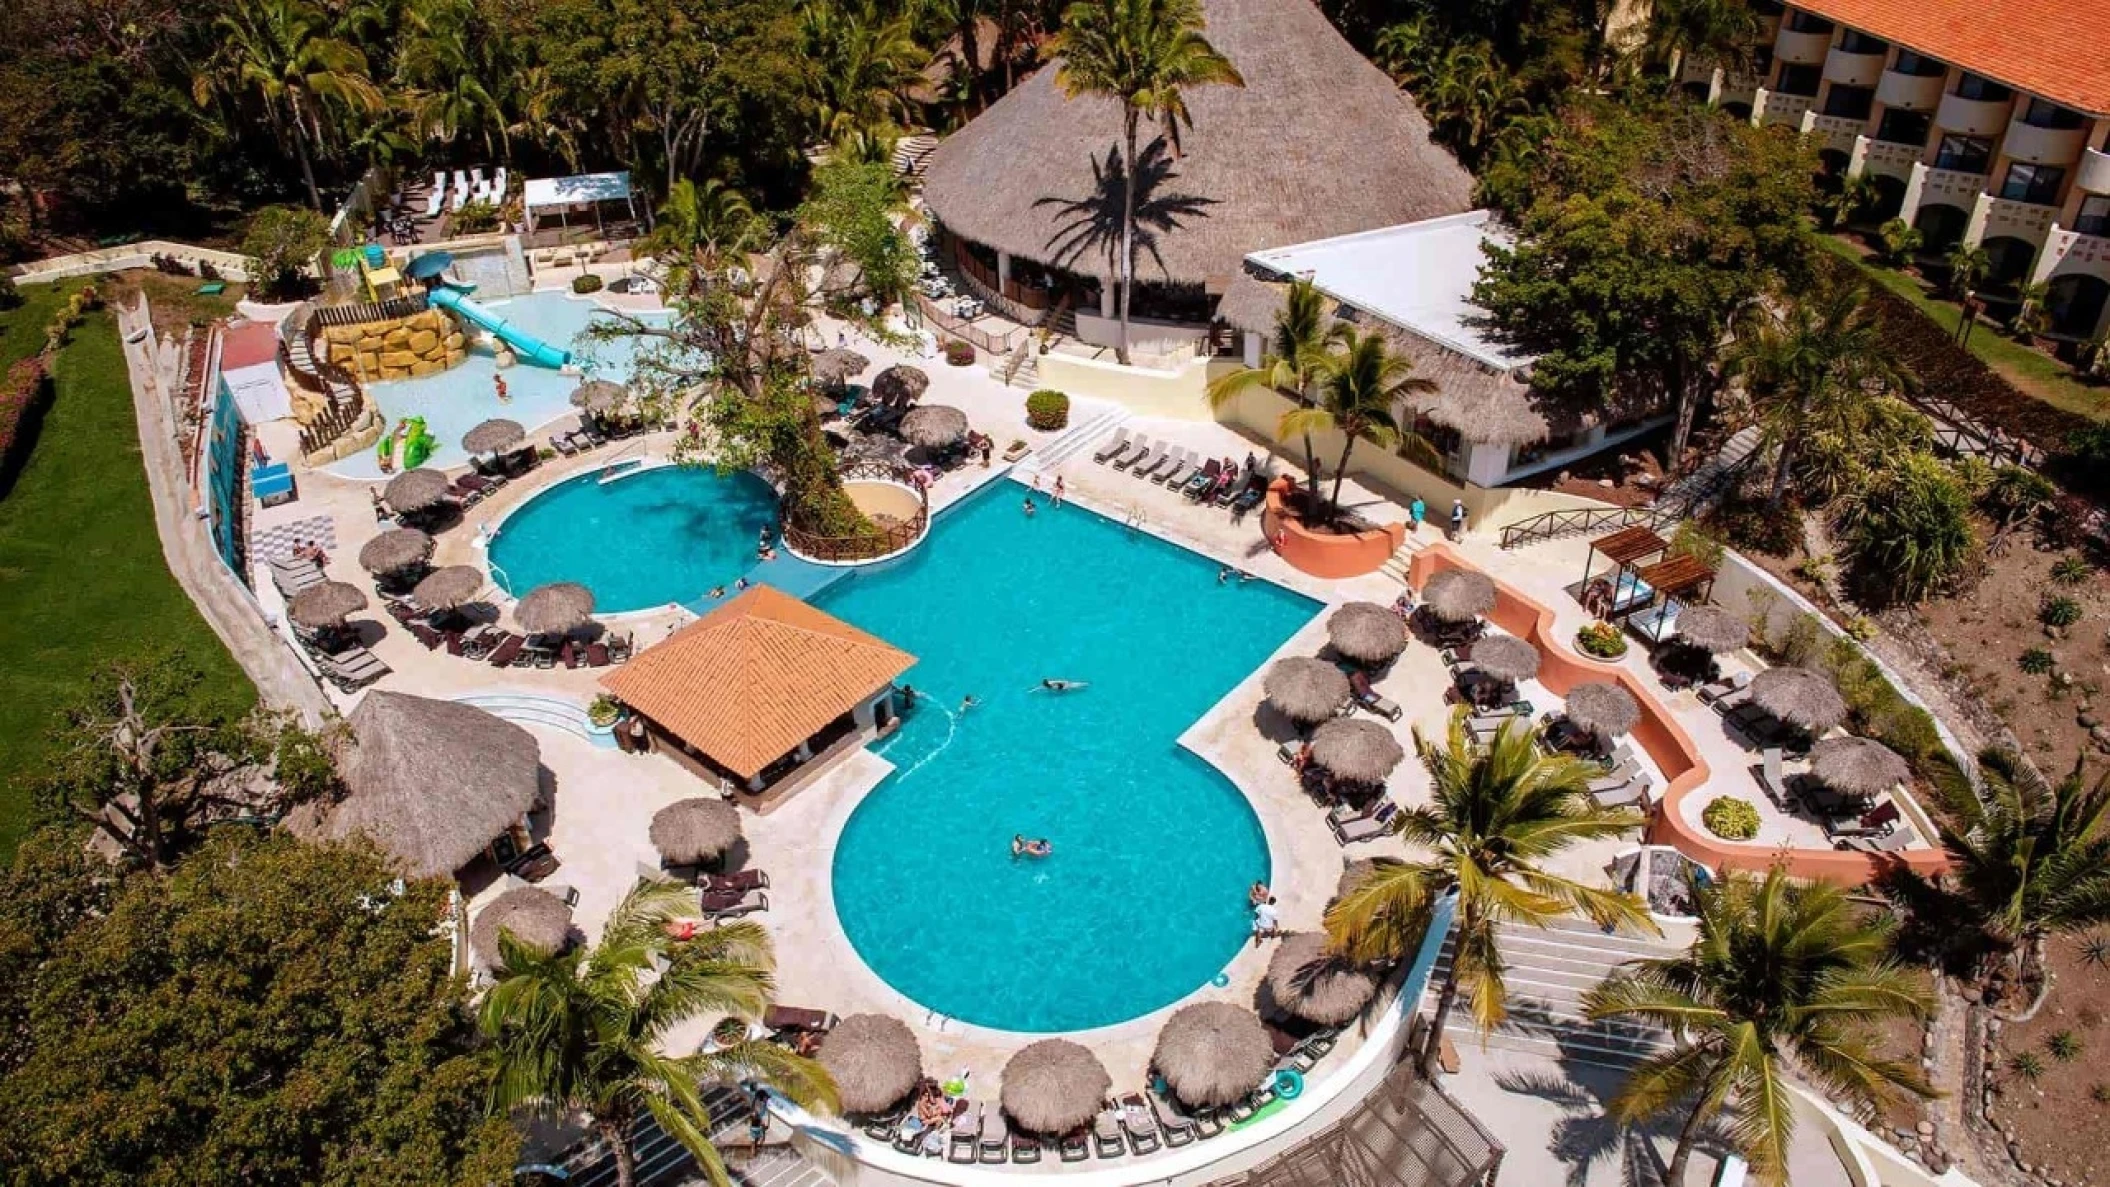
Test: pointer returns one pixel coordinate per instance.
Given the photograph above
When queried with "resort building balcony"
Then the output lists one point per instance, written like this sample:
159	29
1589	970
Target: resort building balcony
2041	145
1838	131
1885	158
2005	218
1801	49
1851	69
1775	107
1912	92
1972	117
2094	173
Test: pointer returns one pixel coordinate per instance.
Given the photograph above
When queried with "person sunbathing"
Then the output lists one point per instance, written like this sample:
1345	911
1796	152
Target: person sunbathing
1039	847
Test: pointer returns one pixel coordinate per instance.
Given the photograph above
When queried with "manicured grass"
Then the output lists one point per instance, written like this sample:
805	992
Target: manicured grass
2044	378
82	580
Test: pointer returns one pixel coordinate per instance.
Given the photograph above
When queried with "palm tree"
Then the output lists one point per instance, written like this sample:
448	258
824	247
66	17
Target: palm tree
1143	54
1810	364
583	1030
1474	97
1496	814
446	63
866	60
1856	193
696	228
2027	859
1296	353
1781	973
1968	264
280	51
1361	380
1725	32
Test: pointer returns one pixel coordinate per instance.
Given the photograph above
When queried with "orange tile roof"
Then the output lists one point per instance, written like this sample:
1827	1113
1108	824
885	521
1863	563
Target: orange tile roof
748	682
2059	49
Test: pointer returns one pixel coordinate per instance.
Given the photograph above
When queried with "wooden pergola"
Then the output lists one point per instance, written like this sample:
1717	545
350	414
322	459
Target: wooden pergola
1625	548
1676	581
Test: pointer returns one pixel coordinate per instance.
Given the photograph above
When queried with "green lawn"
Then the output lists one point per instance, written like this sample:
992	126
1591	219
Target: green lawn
82	580
2036	375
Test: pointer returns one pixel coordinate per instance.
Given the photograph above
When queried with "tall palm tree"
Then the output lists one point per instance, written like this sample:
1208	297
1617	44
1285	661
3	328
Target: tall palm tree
1144	54
1811	363
280	51
1361	380
1497	813
446	60
584	1030
1474	97
1725	32
697	228
1781	973
1295	355
866	61
2027	859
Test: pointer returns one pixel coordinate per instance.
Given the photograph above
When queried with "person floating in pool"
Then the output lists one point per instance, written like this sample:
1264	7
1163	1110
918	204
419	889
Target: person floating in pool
968	702
1223	573
908	693
1053	685
1060	490
504	396
717	591
1038	847
741	584
1031	506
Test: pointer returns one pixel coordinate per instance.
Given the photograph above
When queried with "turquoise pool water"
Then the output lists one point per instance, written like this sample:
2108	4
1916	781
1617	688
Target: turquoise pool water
1144	899
456	400
665	535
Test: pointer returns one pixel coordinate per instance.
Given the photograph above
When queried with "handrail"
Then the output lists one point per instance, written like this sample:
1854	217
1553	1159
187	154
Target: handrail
354	312
883	541
1554	525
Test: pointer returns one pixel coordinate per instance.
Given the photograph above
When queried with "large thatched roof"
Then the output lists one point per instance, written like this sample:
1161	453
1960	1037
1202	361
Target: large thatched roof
1799	697
934	426
697	829
1318	142
414	490
1458	595
836	365
1357	749
1054	1086
1308	981
446	588
1213	1053
1506	658
1602	708
1305	689
534	917
326	604
1367	631
900	384
874	1060
494	435
430	781
1712	629
554	608
1857	766
394	549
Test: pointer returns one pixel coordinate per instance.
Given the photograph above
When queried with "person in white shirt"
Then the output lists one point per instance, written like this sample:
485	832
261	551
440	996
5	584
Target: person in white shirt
1267	921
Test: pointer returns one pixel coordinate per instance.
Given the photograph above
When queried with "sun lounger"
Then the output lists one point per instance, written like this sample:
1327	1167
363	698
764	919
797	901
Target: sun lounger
619	648
1895	841
1154	469
1182	471
966	1136
1873	823
1366	828
1204	480
1715	690
352	669
1632	794
1732	701
1621	775
994	1144
1289	750
1107	1139
1771	781
1140	1124
1115	445
1075	1146
1026	1149
797	1017
1178	1128
728	907
424	634
1368	698
1148	454
505	650
883	1127
597	655
741	883
1131	454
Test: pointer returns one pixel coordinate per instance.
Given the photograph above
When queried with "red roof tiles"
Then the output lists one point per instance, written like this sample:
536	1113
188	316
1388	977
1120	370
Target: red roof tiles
2059	49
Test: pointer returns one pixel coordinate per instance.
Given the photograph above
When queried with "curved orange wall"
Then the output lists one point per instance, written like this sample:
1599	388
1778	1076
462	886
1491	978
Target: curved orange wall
1666	742
1325	554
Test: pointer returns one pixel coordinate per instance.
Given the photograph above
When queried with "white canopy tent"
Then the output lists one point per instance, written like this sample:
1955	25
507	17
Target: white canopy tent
579	194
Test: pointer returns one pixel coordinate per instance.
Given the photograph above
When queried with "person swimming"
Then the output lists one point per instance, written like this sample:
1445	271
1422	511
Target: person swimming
968	702
1054	685
1038	847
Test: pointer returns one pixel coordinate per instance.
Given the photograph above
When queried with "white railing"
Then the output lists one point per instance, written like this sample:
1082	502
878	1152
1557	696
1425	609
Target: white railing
131	255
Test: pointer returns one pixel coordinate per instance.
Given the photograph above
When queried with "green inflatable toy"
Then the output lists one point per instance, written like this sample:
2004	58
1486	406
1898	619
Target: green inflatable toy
418	442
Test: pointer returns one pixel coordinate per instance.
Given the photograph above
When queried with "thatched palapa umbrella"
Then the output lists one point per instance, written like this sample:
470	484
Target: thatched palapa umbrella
1367	632
325	605
1305	689
1459	595
599	396
934	426
1506	658
900	384
1799	697
1857	766
1312	983
444	589
1604	709
430	781
874	1060
835	366
1356	749
1711	629
395	550
414	490
533	916
695	830
494	436
554	609
1213	1053
1053	1086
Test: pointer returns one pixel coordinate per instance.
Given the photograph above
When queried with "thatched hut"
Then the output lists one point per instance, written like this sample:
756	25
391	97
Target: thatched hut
1306	980
414	490
836	366
1305	689
1458	595
494	436
1053	1086
1799	697
395	550
693	830
446	588
532	916
1367	632
874	1061
934	426
900	384
599	396
1606	710
1711	629
1213	1053
1506	658
1857	766
325	605
1357	749
554	608
433	782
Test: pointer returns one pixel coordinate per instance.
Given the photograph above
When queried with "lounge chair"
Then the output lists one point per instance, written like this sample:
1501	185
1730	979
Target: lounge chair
1633	794
1368	698
797	1017
1140	1124
1154	469
884	1127
1873	823
352	669
1107	1139
966	1136
1895	841
994	1144
1824	801
731	908
619	648
1076	1145
1733	700
1181	471
1621	775
1366	828
741	883
1717	689
1771	781
505	650
1146	455
571	654
424	634
1116	444
1203	481
1026	1149
561	442
1178	1128
597	655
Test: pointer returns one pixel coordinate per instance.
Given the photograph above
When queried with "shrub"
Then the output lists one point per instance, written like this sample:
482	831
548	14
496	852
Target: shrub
1602	640
2100	1094
2027	1065
604	710
1899	239
586	282
959	354
1910	529
1730	818
2065	1046
2095	950
2059	611
1047	409
1698	543
10	296
474	217
1756	525
22	400
2071	570
281	243
2035	662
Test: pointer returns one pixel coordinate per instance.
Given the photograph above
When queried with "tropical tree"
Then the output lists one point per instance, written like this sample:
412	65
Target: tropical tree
1909	528
1968	265
697	226
281	53
1724	32
1781	974
1472	97
1296	355
1361	381
866	61
1144	54
1854	194
2027	859
1899	240
584	1030
448	65
1496	815
1809	363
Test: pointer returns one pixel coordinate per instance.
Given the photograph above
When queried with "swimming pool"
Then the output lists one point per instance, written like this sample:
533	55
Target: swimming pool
645	539
1144	899
456	400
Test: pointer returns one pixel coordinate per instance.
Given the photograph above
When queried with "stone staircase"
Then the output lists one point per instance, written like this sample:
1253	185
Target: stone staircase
1077	441
912	153
1026	374
1401	561
1547	972
662	1162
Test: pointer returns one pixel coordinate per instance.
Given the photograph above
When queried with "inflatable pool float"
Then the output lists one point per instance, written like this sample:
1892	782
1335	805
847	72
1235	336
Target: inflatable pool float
418	442
1289	1084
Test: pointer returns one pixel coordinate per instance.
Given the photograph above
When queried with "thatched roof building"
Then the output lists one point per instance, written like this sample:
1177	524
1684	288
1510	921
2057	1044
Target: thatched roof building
1318	142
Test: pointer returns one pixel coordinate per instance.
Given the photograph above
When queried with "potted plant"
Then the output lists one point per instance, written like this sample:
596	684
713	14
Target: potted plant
586	282
959	354
1047	409
604	711
1602	640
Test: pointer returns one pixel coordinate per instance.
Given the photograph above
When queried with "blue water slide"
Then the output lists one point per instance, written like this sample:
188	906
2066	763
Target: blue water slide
524	344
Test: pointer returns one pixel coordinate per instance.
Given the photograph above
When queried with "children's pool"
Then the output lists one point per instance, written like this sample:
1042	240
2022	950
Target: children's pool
1144	898
458	399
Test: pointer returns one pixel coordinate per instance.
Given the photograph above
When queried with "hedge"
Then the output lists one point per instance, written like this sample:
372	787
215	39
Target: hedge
1047	409
586	283
24	395
1947	371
